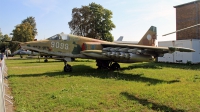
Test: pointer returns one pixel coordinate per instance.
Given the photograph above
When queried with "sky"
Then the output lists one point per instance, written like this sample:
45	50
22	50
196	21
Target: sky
132	18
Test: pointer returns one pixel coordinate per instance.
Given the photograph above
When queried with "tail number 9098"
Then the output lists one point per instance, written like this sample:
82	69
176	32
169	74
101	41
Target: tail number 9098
59	45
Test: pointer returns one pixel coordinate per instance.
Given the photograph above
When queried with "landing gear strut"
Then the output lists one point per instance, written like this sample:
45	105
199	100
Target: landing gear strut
45	60
101	64
105	64
67	67
21	56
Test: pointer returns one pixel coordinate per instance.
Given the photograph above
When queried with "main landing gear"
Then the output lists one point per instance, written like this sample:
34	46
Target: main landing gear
67	67
46	58
106	64
101	64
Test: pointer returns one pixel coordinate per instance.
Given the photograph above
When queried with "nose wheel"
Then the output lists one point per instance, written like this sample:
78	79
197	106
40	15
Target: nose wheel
46	60
67	67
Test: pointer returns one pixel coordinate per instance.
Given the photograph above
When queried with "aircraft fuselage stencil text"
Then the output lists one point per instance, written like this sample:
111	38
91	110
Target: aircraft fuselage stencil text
59	45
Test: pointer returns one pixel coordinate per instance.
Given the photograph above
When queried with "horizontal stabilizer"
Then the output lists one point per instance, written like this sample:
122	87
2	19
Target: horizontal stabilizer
181	49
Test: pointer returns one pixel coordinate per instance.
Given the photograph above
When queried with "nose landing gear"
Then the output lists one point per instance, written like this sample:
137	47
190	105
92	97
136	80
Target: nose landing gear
67	67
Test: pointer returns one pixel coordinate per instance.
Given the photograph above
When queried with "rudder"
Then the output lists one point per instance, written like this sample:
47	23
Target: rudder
149	38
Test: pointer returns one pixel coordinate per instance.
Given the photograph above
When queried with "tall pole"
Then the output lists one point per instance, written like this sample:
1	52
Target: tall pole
182	29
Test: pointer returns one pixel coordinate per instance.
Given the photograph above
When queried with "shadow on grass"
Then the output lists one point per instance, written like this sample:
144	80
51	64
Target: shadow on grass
142	65
48	74
88	71
158	65
80	69
151	105
109	74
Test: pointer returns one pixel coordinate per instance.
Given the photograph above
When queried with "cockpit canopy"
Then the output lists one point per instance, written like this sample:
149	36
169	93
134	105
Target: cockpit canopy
60	36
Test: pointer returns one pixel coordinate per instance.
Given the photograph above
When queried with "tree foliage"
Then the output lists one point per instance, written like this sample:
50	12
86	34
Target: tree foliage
3	43
6	38
1	35
23	33
92	21
31	21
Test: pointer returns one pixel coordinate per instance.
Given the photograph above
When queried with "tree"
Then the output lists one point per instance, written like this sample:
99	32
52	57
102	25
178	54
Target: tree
31	21
1	36
6	38
92	21
2	46
23	33
3	43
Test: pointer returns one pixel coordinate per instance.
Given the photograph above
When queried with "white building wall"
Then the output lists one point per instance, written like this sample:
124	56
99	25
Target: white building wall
168	57
196	54
181	57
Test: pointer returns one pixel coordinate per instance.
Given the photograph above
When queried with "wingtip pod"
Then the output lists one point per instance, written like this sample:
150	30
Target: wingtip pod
181	49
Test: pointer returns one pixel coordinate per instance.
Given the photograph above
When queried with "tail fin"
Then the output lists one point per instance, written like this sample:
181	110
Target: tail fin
149	38
120	38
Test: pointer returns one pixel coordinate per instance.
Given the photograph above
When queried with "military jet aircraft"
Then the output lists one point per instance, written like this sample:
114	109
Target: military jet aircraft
24	52
106	54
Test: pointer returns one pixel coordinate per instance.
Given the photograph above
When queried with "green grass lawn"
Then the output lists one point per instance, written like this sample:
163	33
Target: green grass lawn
38	86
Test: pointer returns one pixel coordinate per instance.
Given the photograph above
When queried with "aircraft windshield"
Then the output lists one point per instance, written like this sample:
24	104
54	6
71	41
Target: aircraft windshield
55	37
64	36
61	36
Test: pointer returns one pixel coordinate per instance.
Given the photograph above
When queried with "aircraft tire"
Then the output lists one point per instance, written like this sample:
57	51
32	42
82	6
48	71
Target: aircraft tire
115	66
46	60
99	68
103	64
67	68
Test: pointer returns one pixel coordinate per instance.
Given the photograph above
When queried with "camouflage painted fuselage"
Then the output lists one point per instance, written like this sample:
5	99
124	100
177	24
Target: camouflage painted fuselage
64	45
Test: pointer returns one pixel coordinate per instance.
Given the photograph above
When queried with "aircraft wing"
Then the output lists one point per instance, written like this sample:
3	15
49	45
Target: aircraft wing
146	50
127	53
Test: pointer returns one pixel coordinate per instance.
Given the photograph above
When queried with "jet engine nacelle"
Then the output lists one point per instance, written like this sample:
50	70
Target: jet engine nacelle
141	58
132	58
95	54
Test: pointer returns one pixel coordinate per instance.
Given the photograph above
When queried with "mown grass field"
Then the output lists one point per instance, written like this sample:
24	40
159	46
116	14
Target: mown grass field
38	86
